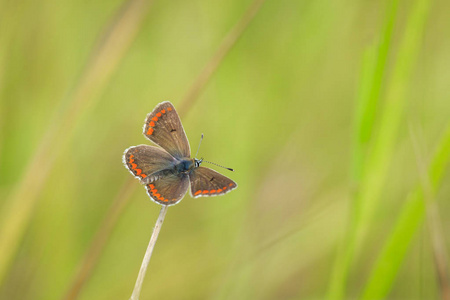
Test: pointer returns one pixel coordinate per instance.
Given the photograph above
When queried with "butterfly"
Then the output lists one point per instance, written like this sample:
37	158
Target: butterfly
167	171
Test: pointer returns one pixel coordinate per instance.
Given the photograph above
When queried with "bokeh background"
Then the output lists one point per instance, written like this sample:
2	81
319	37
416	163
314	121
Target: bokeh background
334	114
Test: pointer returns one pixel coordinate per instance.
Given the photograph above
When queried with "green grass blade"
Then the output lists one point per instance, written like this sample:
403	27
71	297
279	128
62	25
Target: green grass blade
372	74
388	263
379	160
378	164
366	105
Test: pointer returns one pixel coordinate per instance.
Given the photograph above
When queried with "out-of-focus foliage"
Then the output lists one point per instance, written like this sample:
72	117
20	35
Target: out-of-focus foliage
282	110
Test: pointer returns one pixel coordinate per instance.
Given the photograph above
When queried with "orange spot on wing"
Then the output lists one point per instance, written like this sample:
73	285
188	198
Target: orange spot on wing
133	166
158	115
151	186
143	175
197	192
219	190
230	184
150	131
224	188
155	119
169	108
152	123
163	111
212	191
157	195
138	171
205	192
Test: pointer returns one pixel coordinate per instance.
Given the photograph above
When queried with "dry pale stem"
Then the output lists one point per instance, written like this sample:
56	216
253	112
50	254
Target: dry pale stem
227	43
434	222
100	239
20	204
148	254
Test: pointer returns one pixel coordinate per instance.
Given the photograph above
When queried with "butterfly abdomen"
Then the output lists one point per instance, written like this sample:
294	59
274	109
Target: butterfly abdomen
158	175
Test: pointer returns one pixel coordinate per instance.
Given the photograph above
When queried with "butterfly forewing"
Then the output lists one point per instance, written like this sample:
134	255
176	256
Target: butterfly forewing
163	127
207	182
168	190
143	161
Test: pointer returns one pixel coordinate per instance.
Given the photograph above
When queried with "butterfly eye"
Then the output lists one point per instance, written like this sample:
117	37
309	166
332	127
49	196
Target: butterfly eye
198	162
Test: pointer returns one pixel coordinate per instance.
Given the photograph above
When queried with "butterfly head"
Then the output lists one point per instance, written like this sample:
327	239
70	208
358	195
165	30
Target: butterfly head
197	162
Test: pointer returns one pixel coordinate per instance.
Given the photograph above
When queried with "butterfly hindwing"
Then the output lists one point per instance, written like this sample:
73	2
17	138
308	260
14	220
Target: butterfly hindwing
143	161
168	190
163	127
207	182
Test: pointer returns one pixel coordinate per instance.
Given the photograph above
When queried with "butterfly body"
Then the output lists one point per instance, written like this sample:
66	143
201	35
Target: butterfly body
185	166
176	168
168	171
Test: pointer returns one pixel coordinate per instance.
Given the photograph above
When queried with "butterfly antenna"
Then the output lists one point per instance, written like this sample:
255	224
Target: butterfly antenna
201	139
230	169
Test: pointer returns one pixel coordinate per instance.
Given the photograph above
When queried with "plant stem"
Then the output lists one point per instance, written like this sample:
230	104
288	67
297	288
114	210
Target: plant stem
148	254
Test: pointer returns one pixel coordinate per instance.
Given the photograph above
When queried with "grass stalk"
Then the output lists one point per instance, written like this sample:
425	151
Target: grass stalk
376	163
388	263
433	220
226	45
373	72
100	239
148	254
112	46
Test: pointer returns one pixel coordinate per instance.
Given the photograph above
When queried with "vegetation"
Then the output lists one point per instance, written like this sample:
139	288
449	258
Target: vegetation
335	116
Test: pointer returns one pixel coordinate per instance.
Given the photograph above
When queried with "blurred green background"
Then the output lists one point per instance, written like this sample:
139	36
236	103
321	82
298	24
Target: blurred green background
334	114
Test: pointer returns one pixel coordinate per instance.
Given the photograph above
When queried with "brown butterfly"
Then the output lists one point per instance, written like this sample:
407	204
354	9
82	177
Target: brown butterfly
167	171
